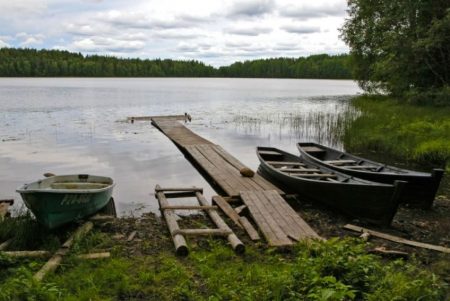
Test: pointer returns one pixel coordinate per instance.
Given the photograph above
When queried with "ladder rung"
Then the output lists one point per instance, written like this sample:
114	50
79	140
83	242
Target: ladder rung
188	207
216	232
162	189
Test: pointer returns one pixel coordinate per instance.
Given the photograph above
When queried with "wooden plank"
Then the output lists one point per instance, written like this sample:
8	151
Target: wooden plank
227	169
211	170
227	209
149	118
278	214
271	231
296	219
251	231
397	239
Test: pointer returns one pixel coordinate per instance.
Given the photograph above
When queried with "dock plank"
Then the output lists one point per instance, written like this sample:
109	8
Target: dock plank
273	233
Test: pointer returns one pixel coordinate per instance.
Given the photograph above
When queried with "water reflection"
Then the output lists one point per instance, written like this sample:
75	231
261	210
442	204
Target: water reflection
77	126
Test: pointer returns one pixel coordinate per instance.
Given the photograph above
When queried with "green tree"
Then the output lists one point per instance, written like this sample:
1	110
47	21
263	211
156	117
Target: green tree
401	46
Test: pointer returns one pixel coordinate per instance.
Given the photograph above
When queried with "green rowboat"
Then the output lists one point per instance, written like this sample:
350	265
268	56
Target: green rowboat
59	200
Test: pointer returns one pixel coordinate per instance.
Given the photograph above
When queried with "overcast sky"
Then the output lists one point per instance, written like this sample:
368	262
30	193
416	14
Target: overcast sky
213	31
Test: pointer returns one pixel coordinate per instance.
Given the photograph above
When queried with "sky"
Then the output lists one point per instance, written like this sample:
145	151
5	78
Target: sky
213	31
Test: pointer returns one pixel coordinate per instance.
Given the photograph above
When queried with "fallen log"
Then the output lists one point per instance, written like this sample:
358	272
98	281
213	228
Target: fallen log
94	255
398	239
33	254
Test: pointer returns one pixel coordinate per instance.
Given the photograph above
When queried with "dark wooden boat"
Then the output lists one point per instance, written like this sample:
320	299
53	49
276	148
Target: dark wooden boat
368	201
419	191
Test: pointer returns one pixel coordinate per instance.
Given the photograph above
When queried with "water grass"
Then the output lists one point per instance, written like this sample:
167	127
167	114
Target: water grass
413	133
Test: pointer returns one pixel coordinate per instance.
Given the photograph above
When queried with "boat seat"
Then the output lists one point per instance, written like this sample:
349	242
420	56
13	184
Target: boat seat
270	153
338	162
313	149
358	166
309	175
299	170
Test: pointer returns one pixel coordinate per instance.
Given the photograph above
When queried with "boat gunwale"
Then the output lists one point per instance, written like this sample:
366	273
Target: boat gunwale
23	188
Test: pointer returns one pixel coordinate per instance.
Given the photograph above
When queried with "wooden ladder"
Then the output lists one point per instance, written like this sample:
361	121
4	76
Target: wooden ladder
178	235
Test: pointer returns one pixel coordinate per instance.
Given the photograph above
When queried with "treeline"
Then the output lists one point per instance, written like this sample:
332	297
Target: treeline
54	63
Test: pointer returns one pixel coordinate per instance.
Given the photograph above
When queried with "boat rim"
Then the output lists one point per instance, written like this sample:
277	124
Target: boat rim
23	188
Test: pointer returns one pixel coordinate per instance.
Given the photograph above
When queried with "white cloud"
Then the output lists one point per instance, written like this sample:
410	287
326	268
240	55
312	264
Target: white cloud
251	8
300	28
217	32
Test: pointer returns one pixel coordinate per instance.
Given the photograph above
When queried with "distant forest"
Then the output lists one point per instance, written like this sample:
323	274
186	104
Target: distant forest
54	63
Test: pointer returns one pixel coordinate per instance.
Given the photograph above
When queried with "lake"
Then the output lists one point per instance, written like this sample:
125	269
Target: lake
78	125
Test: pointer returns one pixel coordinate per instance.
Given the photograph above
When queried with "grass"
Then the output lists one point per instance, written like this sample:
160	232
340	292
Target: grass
414	133
338	269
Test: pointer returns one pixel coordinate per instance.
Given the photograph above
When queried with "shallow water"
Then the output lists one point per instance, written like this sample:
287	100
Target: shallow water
74	125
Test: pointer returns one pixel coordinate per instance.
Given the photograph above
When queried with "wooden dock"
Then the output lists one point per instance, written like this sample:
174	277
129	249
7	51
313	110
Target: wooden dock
279	223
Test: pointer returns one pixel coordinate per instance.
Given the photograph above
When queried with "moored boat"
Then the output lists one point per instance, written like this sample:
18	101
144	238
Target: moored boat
419	191
369	201
59	200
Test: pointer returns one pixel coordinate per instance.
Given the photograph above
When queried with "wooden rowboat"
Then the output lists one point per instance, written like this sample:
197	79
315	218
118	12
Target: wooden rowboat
419	191
59	200
368	201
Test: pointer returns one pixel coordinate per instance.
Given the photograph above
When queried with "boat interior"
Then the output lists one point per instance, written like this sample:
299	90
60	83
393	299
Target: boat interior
296	167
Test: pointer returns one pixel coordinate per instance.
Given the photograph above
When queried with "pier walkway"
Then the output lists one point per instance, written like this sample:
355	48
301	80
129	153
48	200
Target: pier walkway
279	223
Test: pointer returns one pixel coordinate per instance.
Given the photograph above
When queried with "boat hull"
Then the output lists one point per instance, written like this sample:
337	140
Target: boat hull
371	202
420	189
56	208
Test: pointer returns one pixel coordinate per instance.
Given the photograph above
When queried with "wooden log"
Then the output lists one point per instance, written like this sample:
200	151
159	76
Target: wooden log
398	239
206	232
188	207
195	189
227	209
100	255
33	254
5	244
236	244
101	217
251	231
179	241
239	209
53	263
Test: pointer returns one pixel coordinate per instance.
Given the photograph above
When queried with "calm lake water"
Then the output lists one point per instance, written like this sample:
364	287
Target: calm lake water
78	125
